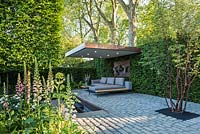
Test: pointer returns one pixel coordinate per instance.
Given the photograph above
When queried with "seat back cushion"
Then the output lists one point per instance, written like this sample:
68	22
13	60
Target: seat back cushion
103	80
110	80
119	81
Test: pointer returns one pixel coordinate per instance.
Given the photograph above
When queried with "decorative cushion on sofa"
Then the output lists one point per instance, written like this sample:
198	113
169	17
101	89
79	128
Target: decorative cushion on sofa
103	80
110	80
119	81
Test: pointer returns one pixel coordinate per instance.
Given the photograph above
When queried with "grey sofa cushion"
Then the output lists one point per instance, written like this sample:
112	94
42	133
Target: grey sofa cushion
110	80
119	81
98	84
104	87
103	80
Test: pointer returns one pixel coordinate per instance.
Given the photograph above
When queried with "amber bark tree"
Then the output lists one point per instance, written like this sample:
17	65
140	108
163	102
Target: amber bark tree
185	51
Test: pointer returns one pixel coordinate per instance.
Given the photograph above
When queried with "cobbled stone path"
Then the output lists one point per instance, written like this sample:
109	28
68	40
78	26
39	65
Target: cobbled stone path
132	113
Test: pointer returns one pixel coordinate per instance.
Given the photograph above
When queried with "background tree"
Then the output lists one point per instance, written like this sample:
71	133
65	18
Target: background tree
111	22
68	42
130	10
81	19
91	17
74	32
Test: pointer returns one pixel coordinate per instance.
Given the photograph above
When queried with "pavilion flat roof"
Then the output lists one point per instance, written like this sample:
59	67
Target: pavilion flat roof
95	50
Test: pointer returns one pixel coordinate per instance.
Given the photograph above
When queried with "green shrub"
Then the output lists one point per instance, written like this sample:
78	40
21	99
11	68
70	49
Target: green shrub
77	76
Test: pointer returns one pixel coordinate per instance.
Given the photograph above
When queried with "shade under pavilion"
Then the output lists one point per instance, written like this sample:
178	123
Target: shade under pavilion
95	50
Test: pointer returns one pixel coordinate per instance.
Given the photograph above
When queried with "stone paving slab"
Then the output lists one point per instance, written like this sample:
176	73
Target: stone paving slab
132	113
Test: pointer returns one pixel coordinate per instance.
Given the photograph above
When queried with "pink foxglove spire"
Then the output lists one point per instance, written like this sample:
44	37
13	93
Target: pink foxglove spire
19	86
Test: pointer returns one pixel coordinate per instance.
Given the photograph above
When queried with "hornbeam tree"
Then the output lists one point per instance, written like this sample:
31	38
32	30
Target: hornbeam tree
29	29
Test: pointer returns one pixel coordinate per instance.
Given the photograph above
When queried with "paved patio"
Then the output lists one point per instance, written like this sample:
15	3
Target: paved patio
131	113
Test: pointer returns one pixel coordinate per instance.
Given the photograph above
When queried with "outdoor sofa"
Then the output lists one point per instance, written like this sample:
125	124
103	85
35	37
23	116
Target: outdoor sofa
110	84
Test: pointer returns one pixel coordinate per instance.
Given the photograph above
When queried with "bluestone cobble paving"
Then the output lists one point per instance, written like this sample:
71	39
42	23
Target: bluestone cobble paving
133	113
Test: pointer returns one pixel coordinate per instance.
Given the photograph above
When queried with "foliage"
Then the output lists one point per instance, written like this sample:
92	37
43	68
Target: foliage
186	51
67	43
130	8
173	24
19	114
83	21
77	74
87	64
148	70
30	29
103	67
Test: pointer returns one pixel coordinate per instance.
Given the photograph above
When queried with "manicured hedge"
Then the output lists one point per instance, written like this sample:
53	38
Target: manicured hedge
149	73
147	81
29	29
78	75
144	79
103	67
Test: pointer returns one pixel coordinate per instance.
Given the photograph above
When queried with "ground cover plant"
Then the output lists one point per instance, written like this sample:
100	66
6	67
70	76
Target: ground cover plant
30	109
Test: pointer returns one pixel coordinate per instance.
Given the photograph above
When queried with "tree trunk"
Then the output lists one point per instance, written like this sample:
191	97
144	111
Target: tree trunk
95	32
113	34
111	23
130	11
132	31
170	83
178	88
81	29
89	19
7	82
95	35
114	21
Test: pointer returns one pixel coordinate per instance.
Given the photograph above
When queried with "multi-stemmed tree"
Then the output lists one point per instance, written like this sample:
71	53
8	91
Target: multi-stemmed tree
176	60
186	49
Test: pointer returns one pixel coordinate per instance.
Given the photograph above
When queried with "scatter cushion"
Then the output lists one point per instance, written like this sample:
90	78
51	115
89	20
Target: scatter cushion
119	81
103	80
110	80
